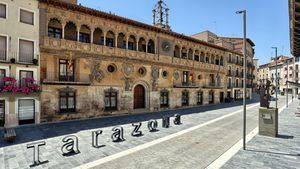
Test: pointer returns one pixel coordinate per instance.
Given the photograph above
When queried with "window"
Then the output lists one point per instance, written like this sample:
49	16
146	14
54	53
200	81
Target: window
3	47
67	102
111	68
109	42
164	74
142	71
26	17
3	11
2	113
54	32
197	58
185	98
111	100
185	77
26	51
66	70
2	74
164	99
211	97
83	37
26	109
199	97
25	74
131	46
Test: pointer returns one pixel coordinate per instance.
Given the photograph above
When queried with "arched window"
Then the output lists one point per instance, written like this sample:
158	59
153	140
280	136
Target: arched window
229	83
55	28
177	52
71	31
85	34
196	56
222	61
142	45
202	57
98	37
184	53
151	46
212	59
131	43
110	39
190	55
207	58
121	41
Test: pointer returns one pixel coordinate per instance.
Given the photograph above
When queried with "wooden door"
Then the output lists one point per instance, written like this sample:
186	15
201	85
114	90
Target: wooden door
139	97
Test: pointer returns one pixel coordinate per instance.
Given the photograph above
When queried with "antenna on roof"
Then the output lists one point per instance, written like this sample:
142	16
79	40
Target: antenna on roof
161	15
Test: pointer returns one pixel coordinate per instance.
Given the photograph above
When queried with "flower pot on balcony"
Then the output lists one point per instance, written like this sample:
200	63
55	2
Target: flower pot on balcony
35	61
12	60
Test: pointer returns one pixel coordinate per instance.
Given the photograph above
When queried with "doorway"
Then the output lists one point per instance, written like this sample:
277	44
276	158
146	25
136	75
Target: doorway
139	97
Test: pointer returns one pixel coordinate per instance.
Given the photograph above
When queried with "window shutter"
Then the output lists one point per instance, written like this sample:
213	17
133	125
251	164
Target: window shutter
3	47
2	10
26	51
26	17
26	109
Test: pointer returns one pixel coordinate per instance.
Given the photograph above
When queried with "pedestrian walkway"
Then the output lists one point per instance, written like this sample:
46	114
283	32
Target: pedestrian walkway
267	152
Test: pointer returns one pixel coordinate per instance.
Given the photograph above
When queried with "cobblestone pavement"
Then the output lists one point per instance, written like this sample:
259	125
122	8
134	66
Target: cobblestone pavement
267	152
195	149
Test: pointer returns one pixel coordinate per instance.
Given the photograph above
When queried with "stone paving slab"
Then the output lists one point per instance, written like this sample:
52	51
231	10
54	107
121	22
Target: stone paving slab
276	153
16	155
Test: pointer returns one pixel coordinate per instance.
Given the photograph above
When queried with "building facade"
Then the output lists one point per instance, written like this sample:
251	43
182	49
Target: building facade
19	62
94	64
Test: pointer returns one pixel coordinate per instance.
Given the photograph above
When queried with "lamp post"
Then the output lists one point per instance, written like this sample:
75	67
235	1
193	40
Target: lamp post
245	70
276	76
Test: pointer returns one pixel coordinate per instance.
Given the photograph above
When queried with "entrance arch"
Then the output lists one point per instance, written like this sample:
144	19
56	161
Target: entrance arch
139	97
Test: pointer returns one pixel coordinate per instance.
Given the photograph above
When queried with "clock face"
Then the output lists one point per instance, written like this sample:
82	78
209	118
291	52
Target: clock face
166	46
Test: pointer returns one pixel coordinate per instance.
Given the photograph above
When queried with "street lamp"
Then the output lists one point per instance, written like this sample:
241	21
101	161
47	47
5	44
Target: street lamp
245	70
276	75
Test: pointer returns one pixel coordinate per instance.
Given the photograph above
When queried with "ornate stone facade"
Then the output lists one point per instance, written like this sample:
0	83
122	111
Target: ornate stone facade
92	52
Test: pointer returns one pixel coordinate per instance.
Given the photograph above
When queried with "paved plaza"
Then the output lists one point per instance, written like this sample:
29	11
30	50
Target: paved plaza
267	152
198	147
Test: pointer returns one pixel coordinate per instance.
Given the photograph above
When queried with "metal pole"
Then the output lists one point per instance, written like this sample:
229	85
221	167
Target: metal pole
245	70
287	89
276	76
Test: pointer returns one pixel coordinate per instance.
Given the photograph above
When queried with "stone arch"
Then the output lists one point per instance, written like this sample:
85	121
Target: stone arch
147	92
98	36
197	55
121	41
151	46
85	34
132	42
70	31
142	45
184	53
55	28
177	51
110	39
190	54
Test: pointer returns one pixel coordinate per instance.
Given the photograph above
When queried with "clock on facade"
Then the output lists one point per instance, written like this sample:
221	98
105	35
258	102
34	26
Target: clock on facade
166	46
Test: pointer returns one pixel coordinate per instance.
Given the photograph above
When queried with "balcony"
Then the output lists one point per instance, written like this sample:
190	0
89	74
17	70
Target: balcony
25	85
18	58
71	79
213	85
185	85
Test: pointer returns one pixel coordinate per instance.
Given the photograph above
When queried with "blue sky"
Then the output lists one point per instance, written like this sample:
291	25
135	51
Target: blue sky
268	23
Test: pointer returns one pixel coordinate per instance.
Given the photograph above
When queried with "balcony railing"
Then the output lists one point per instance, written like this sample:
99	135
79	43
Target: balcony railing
17	57
185	85
213	85
71	78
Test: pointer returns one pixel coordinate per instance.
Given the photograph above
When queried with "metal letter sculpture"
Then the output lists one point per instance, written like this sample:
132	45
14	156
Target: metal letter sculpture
152	125
177	120
117	136
95	140
166	122
71	146
136	132
36	153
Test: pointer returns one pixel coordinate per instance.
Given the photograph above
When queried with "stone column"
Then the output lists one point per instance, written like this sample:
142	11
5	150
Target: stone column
92	36
104	39
137	45
78	32
116	40
127	40
63	31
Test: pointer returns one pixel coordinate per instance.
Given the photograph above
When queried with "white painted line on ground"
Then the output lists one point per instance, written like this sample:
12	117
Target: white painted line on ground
154	142
219	162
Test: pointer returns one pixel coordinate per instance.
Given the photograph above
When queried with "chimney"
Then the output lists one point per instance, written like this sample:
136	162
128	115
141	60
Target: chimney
70	1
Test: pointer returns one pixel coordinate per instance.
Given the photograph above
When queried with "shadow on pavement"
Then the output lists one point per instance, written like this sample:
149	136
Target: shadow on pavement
32	133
